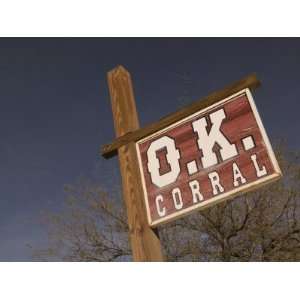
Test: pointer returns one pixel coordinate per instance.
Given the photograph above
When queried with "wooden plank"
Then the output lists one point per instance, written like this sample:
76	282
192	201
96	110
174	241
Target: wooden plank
144	240
242	127
109	150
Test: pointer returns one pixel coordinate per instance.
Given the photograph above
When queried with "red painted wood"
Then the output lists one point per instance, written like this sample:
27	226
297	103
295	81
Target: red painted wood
240	122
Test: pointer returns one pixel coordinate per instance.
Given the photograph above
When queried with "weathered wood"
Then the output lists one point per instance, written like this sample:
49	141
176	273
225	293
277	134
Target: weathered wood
133	135
241	125
144	241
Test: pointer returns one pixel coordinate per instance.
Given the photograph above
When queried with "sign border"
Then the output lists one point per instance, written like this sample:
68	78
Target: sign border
224	196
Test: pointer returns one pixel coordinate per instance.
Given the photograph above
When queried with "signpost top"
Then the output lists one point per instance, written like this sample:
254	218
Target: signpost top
207	152
110	150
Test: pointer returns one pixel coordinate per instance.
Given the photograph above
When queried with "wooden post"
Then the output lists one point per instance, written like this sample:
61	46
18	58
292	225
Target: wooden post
144	240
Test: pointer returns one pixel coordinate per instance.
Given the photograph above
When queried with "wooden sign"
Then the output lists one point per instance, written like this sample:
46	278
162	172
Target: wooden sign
204	153
209	156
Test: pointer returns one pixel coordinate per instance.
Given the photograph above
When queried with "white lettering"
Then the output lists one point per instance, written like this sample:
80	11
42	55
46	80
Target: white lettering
172	156
207	141
215	183
195	189
259	171
161	211
177	199
237	175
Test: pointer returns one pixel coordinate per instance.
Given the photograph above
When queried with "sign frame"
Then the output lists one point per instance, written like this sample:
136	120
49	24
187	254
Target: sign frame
223	196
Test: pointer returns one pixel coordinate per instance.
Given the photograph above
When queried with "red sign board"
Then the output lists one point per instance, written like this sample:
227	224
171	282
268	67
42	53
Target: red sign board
212	155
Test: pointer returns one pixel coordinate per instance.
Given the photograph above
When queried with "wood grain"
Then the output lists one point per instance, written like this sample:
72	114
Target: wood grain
144	240
133	135
240	123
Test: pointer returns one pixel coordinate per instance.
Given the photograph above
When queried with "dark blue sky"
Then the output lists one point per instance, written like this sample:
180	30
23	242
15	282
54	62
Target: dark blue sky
55	110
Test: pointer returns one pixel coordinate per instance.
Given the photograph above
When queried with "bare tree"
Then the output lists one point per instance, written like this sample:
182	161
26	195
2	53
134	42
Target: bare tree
257	226
93	227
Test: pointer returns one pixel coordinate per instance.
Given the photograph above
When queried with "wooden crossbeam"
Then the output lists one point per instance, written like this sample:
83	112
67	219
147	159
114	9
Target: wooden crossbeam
111	149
